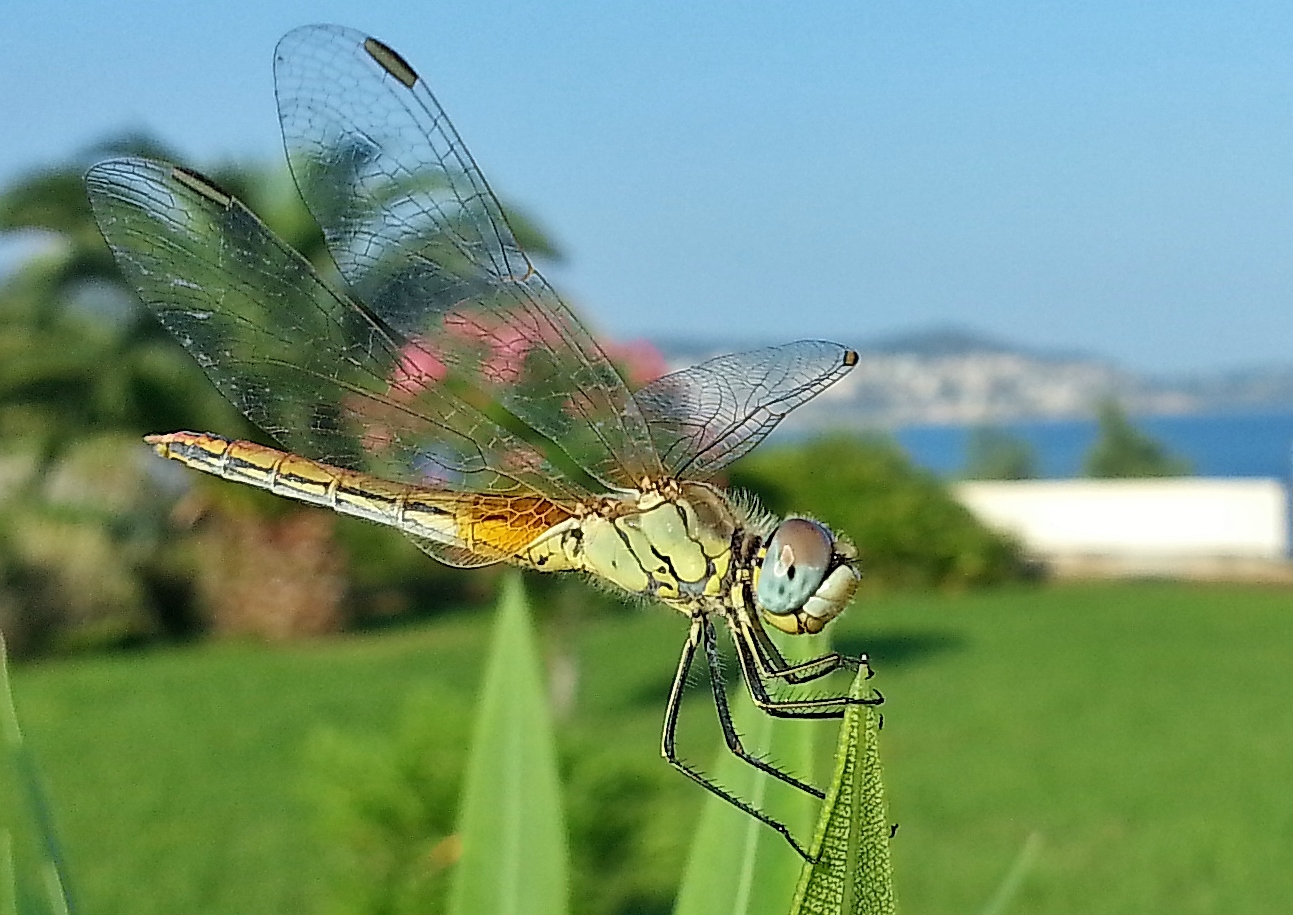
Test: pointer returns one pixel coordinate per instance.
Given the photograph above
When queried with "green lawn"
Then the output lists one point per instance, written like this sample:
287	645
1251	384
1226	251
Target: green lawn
1144	731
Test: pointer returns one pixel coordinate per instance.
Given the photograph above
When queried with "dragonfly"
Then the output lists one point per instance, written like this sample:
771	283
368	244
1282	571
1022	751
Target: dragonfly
444	389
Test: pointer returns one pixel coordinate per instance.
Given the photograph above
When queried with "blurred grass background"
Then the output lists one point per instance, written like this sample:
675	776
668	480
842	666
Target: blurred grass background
1142	729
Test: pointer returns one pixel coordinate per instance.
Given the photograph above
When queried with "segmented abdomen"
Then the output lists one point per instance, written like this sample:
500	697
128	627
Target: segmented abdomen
486	523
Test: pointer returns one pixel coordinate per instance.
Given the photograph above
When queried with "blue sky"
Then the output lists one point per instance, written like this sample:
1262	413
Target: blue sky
1110	177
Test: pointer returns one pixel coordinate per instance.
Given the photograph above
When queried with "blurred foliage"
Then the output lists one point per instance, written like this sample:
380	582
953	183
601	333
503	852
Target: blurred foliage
273	578
908	528
387	807
1122	450
77	354
76	561
994	454
100	544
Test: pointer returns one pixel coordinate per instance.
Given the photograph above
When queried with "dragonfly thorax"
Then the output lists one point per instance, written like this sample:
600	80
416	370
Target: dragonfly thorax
672	542
689	545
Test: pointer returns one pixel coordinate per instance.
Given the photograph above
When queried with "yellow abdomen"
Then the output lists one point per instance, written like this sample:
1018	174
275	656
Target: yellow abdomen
495	526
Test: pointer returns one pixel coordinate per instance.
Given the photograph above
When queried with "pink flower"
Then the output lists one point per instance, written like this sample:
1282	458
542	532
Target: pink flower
418	368
639	360
496	346
508	349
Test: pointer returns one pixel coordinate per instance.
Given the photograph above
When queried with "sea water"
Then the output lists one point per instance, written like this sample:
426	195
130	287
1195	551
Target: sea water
1249	444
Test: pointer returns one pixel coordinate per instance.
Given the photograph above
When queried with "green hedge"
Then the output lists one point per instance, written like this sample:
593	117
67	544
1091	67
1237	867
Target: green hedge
905	522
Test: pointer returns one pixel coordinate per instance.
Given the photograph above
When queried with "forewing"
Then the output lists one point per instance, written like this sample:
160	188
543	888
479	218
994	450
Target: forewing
704	417
316	370
422	240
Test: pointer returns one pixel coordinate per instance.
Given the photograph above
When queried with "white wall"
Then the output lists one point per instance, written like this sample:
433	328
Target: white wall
1181	518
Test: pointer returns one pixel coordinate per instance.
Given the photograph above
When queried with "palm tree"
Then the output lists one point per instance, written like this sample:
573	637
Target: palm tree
78	354
85	370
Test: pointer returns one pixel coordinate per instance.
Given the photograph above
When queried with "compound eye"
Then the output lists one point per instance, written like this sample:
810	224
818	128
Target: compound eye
795	565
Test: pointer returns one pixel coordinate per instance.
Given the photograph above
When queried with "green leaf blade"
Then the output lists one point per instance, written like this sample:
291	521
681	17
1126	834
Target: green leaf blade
853	873
52	870
514	850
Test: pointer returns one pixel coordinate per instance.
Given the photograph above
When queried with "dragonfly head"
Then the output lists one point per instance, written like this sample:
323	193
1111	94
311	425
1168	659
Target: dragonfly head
806	578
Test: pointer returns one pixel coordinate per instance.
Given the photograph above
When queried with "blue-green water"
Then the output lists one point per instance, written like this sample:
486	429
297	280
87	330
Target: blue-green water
1253	444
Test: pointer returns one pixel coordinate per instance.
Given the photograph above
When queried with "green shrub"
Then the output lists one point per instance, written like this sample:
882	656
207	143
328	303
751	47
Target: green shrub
386	808
1121	450
907	526
992	453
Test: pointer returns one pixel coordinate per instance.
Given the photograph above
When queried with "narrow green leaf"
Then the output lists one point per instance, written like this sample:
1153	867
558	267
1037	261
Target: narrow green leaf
737	865
27	773
852	874
10	740
514	853
1014	878
8	876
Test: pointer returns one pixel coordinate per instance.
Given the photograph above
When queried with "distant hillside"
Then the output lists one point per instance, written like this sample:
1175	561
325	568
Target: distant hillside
946	341
956	376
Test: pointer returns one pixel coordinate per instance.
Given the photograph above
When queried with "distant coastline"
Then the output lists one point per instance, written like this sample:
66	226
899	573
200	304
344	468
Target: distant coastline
956	378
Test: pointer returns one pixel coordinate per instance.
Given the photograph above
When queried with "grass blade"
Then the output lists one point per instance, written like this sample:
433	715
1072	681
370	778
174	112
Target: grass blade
853	874
514	853
1014	878
737	865
53	867
8	876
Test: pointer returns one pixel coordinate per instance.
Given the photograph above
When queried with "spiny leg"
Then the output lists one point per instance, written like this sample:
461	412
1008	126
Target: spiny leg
773	665
668	747
822	707
725	718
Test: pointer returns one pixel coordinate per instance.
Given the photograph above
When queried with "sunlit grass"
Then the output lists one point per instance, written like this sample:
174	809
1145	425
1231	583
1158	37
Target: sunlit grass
1142	730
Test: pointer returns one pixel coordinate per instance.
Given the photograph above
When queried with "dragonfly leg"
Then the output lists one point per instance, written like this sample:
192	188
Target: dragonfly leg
747	652
668	748
725	718
773	665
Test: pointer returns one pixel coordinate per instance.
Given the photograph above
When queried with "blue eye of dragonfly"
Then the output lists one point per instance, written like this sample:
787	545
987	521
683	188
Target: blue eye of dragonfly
795	565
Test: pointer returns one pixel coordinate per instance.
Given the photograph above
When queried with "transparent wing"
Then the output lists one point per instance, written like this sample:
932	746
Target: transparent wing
455	555
704	417
422	240
316	370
